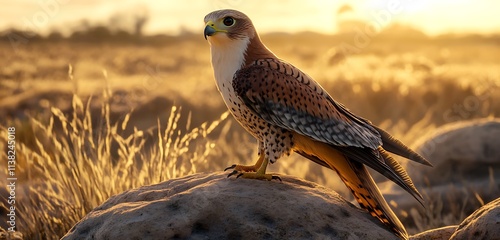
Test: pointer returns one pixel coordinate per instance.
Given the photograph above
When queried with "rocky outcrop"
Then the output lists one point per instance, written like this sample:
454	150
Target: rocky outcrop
443	233
211	206
460	151
466	172
484	223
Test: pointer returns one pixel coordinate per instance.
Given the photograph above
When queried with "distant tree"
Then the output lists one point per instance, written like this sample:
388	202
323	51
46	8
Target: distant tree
18	38
344	9
55	36
99	32
139	23
95	33
132	21
346	19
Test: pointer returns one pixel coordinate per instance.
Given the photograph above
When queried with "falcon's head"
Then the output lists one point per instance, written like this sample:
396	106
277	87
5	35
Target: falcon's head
228	25
234	42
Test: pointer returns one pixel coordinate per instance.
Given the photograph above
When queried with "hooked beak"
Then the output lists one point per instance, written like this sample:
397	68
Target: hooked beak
209	31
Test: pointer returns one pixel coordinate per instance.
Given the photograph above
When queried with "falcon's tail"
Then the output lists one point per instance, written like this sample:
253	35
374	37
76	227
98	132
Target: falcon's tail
395	146
356	177
369	197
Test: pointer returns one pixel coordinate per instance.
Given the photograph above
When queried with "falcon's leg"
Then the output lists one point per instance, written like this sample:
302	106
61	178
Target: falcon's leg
260	174
257	171
249	168
276	143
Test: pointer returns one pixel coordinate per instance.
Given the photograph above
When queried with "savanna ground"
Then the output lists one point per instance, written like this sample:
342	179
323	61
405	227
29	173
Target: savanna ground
95	116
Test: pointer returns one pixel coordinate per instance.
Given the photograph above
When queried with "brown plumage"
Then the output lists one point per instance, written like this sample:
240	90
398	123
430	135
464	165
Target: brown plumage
286	110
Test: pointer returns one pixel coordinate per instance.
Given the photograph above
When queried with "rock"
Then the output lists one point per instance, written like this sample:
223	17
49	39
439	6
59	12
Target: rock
466	159
211	206
443	233
484	223
460	151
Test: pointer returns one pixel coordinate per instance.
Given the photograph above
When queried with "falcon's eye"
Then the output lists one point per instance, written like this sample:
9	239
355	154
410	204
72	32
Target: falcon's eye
228	21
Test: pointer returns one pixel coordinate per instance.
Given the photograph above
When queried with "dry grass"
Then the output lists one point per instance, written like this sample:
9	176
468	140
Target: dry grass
70	171
75	151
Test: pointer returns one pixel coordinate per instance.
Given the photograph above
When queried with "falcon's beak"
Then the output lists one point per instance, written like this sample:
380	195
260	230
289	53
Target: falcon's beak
211	29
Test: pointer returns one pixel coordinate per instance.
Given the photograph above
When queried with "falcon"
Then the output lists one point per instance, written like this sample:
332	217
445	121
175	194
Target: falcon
286	110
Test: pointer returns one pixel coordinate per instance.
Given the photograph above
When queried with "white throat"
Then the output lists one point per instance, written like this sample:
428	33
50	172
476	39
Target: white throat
228	56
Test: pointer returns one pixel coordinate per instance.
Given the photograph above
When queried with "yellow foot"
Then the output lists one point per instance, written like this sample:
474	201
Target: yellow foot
242	168
253	175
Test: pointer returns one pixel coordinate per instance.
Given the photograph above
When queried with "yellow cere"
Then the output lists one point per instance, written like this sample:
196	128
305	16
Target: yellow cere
214	26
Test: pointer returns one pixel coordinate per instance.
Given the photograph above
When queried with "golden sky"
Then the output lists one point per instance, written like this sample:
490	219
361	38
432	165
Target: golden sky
433	17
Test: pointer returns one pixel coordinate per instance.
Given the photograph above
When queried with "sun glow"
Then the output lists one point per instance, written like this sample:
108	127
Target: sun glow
432	17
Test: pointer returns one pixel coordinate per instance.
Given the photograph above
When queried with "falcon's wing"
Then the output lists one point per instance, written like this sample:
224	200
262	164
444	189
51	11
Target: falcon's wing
284	96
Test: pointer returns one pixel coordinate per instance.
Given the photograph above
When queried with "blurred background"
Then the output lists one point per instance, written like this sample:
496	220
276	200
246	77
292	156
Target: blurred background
126	89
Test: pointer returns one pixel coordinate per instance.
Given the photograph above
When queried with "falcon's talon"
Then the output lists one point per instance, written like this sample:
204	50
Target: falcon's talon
259	176
230	167
242	168
232	173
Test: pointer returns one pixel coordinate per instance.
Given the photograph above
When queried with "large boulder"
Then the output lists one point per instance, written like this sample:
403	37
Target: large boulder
443	233
211	206
460	152
484	223
466	173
